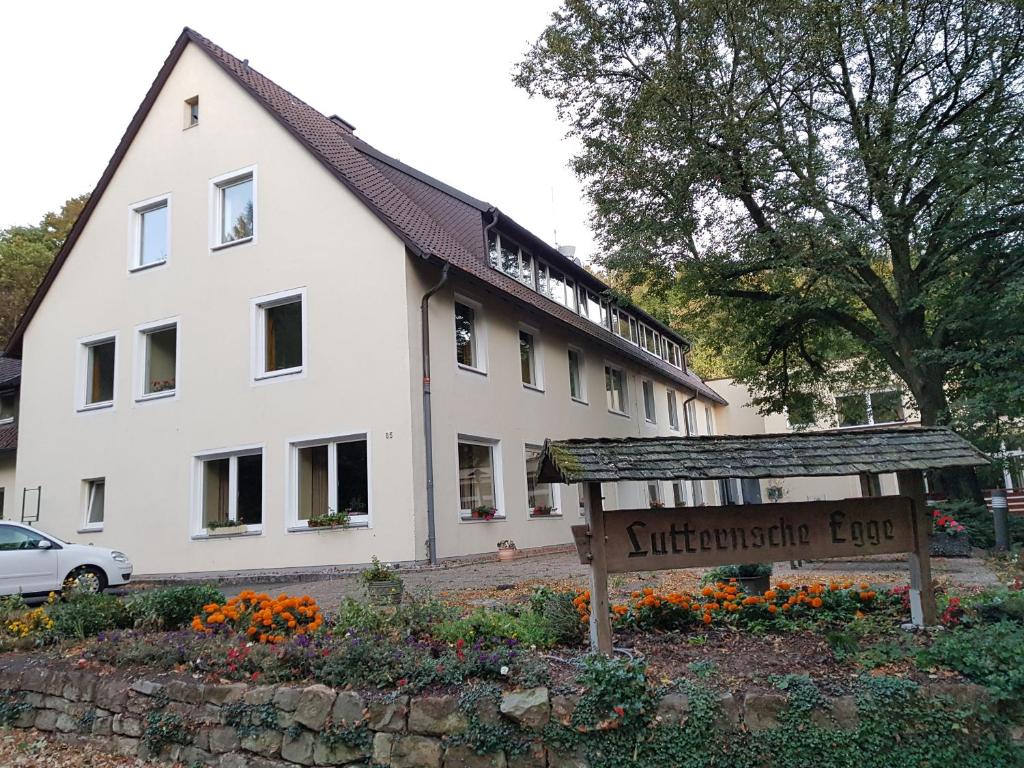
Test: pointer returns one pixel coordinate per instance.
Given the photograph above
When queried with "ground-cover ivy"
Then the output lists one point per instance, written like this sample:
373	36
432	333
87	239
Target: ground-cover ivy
992	655
165	728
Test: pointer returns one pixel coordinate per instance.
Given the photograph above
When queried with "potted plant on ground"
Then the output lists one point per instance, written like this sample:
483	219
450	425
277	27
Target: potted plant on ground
225	528
383	586
483	512
753	579
506	550
542	510
332	520
948	537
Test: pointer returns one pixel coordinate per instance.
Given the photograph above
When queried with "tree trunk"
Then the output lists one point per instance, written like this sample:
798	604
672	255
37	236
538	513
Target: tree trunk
951	482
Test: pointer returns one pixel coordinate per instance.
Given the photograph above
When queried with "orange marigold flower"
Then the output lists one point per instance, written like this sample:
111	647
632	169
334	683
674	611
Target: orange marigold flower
707	591
783	585
859	615
707	618
772	609
770	594
817	602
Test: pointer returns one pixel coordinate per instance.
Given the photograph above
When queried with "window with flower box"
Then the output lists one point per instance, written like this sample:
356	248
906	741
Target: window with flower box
542	498
230	491
331	482
479	479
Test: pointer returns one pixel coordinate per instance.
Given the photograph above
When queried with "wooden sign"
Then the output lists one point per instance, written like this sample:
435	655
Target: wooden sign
687	537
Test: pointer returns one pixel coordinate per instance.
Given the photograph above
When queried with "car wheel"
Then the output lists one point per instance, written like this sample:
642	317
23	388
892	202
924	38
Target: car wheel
87	578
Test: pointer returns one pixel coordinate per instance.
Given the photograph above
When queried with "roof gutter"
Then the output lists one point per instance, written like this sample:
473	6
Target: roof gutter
428	426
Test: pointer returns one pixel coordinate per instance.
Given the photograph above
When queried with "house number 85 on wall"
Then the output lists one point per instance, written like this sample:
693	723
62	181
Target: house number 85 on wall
389	435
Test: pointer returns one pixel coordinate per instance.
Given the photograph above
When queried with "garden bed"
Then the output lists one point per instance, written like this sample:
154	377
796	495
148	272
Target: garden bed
822	658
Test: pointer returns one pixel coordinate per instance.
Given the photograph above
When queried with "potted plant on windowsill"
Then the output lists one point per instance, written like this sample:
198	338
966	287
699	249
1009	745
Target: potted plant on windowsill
483	512
225	528
656	504
332	520
542	510
506	550
383	586
753	578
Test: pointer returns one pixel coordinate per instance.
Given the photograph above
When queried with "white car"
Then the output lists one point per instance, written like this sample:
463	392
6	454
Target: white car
34	563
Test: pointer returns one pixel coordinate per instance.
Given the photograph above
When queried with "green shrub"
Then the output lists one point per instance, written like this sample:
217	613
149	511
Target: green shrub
561	614
726	572
416	616
172	607
977	519
527	628
82	614
991	654
11	607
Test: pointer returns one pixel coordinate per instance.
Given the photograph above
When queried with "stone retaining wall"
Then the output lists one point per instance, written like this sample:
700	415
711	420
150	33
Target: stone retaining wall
238	725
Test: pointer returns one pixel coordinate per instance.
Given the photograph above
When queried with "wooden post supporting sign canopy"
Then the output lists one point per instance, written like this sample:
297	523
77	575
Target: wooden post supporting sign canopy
619	541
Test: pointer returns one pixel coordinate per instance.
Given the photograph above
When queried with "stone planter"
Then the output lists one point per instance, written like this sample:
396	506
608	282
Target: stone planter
754	585
228	530
385	592
944	545
504	555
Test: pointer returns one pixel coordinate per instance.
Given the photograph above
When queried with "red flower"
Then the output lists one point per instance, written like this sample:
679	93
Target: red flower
403	682
620	711
459	645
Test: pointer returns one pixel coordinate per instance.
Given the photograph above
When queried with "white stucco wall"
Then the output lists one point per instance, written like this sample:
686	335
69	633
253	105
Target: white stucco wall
497	406
311	233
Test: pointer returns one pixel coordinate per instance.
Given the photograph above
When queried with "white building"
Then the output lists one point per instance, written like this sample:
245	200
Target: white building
232	334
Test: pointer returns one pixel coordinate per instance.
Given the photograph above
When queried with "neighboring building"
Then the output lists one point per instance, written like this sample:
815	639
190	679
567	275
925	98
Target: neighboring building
232	335
10	382
880	406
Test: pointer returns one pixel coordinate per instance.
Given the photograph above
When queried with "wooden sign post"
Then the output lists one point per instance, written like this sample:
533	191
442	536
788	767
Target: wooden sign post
621	541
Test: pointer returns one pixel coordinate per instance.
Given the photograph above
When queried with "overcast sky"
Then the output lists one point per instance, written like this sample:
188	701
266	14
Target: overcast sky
427	82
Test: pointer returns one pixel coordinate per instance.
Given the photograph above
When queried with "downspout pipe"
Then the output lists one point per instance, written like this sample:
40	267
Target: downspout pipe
428	427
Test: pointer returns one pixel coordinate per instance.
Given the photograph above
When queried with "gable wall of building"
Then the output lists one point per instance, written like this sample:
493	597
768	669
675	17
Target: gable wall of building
311	234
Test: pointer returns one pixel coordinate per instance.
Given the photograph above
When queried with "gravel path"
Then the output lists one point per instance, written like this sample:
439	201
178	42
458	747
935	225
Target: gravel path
487	581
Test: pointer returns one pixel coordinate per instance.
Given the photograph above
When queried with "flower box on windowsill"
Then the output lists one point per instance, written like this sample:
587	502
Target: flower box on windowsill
483	512
328	522
543	511
227	530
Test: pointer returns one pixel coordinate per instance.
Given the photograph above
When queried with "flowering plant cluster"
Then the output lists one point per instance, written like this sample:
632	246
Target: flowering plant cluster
262	618
725	602
542	509
945	524
484	512
34	622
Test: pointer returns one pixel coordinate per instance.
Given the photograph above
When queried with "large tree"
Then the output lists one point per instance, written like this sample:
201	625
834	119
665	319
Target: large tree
840	179
26	252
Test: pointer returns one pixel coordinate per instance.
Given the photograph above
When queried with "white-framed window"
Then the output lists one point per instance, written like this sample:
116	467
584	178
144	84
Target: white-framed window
331	476
691	418
279	334
234	211
673	411
709	417
157	360
577	375
479	463
654	498
8	409
192	112
678	493
97	371
530	359
470	346
542	499
581	498
729	491
697	492
229	489
615	389
95	502
863	408
149	233
650	411
507	256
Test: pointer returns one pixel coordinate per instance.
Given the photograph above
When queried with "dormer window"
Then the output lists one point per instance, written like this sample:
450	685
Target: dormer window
192	112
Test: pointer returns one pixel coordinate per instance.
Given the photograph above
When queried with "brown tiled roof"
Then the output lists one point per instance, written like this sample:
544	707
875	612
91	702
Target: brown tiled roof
431	219
10	372
9	438
799	454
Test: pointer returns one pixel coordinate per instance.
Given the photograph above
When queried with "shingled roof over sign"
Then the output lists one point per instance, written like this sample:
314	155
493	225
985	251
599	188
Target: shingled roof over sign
803	454
433	220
